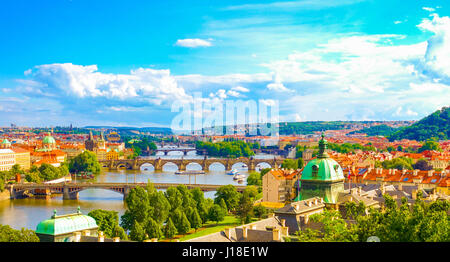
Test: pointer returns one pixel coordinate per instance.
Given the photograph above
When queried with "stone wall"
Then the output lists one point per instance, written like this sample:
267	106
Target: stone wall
5	195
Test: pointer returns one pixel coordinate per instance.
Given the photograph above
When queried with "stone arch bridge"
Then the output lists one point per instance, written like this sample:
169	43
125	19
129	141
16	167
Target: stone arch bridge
205	163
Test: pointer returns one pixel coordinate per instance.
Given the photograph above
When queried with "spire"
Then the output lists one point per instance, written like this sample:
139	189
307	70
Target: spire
91	137
102	138
322	147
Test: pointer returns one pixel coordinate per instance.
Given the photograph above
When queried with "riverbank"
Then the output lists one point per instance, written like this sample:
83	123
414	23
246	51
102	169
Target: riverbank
5	195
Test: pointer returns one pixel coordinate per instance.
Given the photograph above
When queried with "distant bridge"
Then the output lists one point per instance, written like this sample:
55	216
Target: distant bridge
205	163
71	190
176	149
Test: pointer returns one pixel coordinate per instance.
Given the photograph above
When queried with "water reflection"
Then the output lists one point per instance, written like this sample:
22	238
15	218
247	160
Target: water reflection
29	212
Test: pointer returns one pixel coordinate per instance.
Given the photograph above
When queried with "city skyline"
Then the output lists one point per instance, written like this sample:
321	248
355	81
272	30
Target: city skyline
125	64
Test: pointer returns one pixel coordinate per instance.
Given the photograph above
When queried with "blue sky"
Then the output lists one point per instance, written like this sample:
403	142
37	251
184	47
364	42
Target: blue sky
126	62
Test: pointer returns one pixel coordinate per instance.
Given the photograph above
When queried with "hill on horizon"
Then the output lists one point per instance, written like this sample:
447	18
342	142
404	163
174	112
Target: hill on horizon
434	126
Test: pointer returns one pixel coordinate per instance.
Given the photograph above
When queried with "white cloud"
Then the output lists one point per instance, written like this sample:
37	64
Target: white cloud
438	49
233	93
279	87
77	81
240	89
193	43
429	9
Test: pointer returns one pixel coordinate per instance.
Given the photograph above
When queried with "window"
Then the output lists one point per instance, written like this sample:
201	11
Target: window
315	170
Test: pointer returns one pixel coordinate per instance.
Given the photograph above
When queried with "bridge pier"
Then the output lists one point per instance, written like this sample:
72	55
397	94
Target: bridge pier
67	195
126	192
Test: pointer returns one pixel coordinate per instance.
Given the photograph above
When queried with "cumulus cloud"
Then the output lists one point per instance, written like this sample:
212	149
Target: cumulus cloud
437	54
193	43
78	81
240	89
429	9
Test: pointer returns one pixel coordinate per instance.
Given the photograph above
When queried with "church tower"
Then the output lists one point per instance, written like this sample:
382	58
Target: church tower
322	177
90	143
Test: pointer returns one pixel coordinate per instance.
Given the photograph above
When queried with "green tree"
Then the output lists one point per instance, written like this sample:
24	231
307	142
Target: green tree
8	234
216	213
152	229
137	232
184	226
289	164
259	211
223	205
229	194
33	177
170	230
160	207
195	221
106	221
254	178
48	172
245	208
300	163
430	145
85	162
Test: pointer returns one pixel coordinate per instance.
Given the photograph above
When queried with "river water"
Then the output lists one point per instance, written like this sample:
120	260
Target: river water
29	212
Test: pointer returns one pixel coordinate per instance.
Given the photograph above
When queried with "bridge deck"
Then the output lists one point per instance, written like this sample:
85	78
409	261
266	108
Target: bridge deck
111	185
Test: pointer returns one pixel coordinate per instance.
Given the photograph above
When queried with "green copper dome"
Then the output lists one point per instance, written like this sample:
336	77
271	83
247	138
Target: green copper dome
58	225
322	168
6	142
48	140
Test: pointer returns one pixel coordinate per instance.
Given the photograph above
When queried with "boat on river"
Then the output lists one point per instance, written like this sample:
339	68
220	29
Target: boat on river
239	177
232	172
191	172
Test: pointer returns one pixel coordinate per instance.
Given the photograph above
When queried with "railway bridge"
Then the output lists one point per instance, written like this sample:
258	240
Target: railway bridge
71	190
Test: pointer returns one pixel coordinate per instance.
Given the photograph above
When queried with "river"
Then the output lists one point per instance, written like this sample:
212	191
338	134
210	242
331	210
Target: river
29	212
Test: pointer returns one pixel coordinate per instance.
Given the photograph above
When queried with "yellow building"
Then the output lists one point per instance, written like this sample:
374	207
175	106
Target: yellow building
7	159
22	157
112	154
278	185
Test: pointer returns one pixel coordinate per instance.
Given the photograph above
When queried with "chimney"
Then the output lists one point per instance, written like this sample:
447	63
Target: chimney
404	171
283	222
359	190
85	233
276	234
284	231
315	201
297	207
116	239
415	172
400	187
252	226
227	231
308	203
390	171
321	200
101	237
76	236
430	172
244	232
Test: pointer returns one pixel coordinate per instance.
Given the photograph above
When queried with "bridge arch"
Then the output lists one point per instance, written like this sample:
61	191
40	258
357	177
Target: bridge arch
194	166
172	166
261	165
147	166
242	165
99	192
217	164
124	165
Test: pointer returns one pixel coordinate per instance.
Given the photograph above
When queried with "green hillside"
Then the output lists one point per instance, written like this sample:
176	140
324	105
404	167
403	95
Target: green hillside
379	130
436	125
